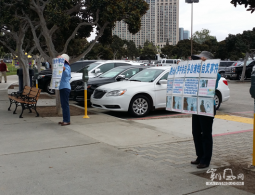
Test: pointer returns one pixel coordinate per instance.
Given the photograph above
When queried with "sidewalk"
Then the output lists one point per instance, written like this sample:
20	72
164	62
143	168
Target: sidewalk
103	155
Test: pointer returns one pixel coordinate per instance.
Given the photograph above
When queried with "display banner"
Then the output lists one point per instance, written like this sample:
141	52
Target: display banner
206	106
190	105
180	71
191	87
177	103
170	83
169	103
193	68
178	86
172	71
58	64
210	69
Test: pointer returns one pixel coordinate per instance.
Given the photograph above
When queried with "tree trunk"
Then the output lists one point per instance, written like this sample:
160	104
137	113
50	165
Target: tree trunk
244	66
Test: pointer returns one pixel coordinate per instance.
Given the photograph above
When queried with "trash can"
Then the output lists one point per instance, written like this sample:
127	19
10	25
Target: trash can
20	75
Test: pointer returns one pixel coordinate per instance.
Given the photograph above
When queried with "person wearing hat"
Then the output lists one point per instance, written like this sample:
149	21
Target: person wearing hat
64	90
202	126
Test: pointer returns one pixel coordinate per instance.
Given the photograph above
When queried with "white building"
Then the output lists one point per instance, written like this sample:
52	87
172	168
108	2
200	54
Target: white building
161	22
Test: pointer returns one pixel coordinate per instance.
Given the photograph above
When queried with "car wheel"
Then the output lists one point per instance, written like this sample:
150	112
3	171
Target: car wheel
217	99
139	106
48	89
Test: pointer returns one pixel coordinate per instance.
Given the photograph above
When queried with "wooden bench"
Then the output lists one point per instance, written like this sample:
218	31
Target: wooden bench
15	95
27	101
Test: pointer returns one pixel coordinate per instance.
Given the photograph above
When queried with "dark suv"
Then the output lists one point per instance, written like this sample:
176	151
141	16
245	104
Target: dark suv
224	65
44	77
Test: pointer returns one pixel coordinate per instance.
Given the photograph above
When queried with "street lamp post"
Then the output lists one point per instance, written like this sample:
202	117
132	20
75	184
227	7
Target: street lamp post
191	1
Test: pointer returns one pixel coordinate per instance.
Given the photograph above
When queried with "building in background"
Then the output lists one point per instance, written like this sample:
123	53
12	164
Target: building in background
183	34
186	34
161	22
181	31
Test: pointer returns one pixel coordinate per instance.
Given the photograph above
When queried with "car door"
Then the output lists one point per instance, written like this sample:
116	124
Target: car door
160	92
249	69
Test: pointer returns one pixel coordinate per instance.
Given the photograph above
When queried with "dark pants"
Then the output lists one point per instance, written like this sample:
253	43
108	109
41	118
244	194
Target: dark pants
202	135
64	98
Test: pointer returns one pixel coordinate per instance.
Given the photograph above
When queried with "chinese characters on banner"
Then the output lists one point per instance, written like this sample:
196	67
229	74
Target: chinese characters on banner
191	87
58	64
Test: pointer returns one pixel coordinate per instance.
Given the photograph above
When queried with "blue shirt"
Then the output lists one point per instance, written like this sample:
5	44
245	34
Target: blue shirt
217	83
66	76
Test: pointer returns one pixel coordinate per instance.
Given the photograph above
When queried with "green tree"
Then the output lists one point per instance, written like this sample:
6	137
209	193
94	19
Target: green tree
117	46
149	51
250	3
202	36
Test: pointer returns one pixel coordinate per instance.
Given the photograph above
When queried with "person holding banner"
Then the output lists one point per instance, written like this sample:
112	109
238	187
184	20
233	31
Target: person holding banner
64	90
202	127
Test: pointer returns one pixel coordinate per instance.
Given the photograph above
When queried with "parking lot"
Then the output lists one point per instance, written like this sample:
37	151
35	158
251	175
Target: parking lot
240	104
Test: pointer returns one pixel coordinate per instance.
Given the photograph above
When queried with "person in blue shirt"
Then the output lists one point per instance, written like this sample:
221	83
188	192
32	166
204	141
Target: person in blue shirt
202	127
64	90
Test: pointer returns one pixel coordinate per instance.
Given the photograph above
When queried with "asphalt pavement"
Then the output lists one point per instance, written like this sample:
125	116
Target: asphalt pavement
108	155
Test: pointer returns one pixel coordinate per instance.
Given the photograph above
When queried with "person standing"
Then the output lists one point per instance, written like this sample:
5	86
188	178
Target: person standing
64	90
47	65
3	70
202	127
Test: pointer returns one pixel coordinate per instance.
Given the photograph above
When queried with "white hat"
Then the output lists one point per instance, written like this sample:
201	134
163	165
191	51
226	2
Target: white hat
66	57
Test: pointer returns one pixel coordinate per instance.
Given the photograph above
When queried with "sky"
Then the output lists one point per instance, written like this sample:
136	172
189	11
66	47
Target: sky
220	17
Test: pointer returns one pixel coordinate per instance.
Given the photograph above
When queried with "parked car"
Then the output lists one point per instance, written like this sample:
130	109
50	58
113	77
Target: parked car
114	75
44	77
223	65
97	68
235	72
143	92
168	62
7	60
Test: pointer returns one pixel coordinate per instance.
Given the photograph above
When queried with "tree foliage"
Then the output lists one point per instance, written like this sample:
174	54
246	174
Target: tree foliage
250	3
202	36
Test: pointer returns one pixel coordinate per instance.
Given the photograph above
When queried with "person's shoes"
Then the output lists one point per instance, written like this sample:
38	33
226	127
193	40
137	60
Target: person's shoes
195	162
202	166
60	123
64	123
5	81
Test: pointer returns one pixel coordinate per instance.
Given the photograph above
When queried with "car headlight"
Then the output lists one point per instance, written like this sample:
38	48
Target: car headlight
116	92
41	76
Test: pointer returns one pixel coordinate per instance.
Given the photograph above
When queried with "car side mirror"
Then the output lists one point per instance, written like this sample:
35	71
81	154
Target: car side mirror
97	71
120	77
161	82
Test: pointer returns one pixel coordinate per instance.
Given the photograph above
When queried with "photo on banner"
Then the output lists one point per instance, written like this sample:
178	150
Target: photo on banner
169	103
190	105
207	87
177	103
206	106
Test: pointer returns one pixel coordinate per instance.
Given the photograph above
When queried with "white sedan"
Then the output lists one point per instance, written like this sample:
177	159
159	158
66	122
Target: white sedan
142	93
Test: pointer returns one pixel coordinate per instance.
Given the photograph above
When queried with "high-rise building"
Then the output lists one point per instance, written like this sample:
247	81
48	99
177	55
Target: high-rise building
161	22
181	31
186	34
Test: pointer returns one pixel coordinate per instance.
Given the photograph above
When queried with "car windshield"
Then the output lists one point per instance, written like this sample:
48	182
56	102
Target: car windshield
90	67
112	73
247	63
147	75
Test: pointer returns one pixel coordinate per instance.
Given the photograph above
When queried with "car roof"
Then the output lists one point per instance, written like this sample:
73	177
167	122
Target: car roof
161	67
129	66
